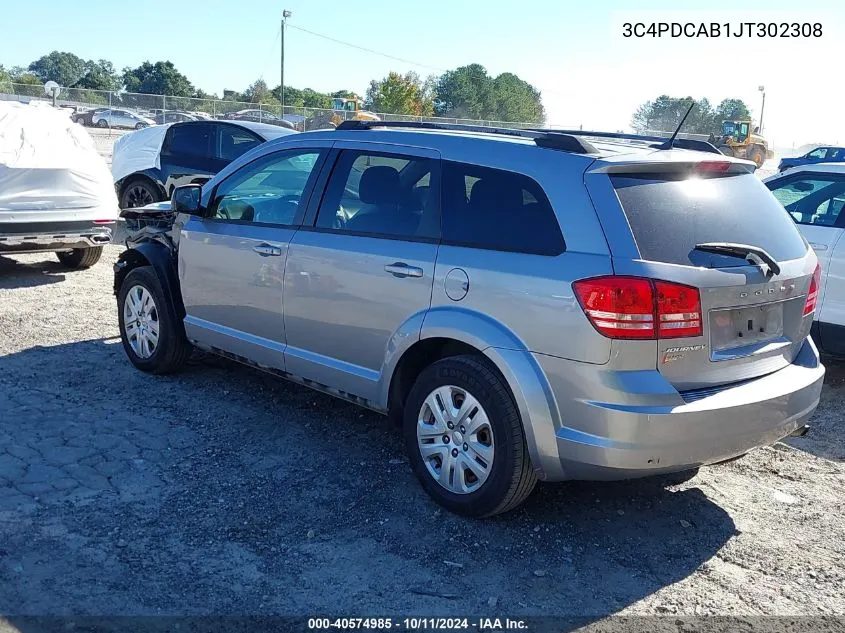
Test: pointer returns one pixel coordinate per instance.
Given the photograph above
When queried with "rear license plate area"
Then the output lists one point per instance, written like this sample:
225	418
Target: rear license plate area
741	327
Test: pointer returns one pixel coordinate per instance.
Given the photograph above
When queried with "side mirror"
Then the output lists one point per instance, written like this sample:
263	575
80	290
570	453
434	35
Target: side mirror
186	199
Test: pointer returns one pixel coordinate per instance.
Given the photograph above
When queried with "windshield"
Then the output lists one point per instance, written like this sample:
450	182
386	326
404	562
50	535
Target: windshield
669	215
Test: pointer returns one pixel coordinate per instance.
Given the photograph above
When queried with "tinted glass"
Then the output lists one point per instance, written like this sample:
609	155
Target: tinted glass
669	216
381	194
268	190
497	210
234	141
191	140
818	153
816	199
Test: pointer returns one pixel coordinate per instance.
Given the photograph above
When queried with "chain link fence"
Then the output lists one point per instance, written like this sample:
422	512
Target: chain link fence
89	106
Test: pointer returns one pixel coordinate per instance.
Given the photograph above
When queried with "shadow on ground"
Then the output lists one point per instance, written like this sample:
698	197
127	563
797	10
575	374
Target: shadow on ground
223	490
14	274
827	425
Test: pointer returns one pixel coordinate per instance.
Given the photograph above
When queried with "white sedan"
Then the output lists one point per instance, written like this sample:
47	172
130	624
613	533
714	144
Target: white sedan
120	118
814	195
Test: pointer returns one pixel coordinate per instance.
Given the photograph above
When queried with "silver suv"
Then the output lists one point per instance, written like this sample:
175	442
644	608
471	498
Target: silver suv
526	304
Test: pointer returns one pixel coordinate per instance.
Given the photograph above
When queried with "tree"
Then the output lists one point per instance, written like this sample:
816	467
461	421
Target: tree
160	78
99	75
465	92
664	113
400	94
258	92
516	100
66	69
344	94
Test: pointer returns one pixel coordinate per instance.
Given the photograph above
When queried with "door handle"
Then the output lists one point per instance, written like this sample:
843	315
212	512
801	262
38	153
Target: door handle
401	269
818	247
267	250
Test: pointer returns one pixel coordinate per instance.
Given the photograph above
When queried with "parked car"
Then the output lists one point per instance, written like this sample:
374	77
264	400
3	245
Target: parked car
816	155
258	116
814	195
83	116
149	163
55	189
120	118
173	116
526	304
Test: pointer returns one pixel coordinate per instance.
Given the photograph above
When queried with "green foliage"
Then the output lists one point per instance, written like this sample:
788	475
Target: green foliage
664	113
66	69
99	75
344	94
400	94
160	78
469	92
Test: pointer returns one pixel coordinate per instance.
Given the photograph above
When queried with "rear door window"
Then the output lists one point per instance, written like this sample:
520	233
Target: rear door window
670	214
191	140
496	209
234	141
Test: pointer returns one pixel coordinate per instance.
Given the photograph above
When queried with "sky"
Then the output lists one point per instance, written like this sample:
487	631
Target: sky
573	52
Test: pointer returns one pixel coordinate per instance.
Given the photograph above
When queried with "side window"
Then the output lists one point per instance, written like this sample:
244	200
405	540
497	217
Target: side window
191	140
497	210
268	190
234	141
381	194
817	200
818	153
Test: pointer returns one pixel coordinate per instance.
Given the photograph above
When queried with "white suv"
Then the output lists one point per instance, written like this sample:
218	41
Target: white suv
814	195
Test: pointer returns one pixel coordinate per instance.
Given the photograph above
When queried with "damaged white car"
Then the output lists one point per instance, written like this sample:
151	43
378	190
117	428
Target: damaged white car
56	191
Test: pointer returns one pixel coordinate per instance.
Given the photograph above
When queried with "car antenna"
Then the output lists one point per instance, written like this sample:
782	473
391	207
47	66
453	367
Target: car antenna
671	140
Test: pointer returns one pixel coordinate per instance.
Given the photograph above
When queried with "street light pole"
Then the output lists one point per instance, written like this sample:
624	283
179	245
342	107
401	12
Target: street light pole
762	107
285	15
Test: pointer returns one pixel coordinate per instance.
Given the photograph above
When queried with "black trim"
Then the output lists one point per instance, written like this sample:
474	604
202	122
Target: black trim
379	236
504	249
829	337
53	228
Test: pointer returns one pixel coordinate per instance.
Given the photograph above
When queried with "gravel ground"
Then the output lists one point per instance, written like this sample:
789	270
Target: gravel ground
222	490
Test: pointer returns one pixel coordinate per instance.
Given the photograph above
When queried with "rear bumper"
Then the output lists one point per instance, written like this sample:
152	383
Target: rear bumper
652	430
39	237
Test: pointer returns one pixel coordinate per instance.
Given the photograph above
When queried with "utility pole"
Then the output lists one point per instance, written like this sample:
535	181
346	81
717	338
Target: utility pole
762	107
285	15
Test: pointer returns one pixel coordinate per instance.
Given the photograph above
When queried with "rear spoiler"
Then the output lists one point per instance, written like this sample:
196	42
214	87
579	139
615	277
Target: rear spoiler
704	165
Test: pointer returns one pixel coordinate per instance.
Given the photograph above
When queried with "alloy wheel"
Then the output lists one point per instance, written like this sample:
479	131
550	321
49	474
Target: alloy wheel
140	321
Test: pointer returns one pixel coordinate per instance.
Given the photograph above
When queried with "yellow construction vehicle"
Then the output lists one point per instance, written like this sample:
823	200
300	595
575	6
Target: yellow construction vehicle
738	138
342	110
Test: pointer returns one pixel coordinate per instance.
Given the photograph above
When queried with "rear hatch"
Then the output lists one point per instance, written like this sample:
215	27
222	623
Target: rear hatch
666	221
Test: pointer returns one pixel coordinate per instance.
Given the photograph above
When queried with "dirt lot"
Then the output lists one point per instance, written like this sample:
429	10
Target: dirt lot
225	491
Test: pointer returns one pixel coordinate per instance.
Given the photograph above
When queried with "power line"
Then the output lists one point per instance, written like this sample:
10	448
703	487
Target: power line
366	50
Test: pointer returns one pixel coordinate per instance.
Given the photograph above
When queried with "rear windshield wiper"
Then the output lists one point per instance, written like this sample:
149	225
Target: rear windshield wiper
753	254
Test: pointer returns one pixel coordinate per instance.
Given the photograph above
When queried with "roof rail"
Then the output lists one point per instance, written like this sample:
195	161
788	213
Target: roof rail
680	143
552	139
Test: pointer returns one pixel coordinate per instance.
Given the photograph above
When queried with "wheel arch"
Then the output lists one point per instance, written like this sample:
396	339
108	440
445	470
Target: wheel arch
159	257
451	331
147	175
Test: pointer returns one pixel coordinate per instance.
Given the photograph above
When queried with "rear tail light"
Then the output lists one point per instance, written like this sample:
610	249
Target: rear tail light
813	293
638	308
104	221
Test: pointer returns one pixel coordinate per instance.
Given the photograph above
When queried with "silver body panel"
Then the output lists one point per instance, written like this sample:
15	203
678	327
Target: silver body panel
328	313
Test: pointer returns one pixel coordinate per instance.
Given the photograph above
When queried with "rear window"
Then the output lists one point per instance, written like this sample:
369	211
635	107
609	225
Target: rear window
496	209
191	139
670	214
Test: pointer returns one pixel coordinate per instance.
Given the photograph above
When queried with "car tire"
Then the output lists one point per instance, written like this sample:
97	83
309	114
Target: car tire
139	192
140	126
508	478
171	348
102	123
80	258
